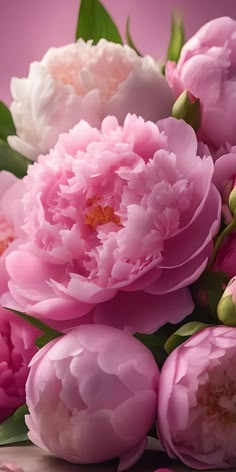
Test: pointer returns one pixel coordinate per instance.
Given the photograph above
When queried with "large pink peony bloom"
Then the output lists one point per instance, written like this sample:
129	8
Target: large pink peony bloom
197	400
126	212
16	350
207	69
84	81
92	396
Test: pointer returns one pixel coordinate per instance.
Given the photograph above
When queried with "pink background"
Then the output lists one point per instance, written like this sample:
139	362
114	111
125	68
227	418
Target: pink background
29	27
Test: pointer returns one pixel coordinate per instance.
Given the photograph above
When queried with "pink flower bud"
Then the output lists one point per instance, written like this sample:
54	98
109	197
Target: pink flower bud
92	396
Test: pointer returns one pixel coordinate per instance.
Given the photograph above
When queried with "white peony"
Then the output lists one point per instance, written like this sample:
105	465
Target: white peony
84	81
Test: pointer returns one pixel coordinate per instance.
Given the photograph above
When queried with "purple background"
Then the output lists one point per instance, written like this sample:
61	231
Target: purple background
29	27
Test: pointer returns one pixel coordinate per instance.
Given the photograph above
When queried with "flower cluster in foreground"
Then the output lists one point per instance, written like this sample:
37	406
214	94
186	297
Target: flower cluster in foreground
118	245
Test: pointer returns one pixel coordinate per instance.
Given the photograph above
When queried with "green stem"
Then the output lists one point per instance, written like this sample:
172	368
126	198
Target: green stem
220	240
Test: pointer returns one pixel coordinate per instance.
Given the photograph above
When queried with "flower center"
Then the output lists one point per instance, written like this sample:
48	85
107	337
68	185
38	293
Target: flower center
219	400
4	244
6	234
97	215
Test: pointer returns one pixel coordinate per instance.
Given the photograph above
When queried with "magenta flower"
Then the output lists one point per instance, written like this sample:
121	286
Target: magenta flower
226	257
207	69
16	350
92	396
102	216
197	400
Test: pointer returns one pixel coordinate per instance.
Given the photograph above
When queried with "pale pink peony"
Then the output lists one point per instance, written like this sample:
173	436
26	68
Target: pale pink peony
92	396
126	212
16	350
197	400
84	81
207	69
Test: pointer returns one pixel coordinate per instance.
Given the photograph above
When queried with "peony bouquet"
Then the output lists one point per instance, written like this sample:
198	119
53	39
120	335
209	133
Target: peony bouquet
118	248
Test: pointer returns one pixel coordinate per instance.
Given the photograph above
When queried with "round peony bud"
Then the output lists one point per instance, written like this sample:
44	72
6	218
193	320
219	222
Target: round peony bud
16	350
197	400
226	309
84	81
206	69
100	219
92	395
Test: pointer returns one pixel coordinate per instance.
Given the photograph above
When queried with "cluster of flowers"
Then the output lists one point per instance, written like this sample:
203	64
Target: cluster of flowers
108	235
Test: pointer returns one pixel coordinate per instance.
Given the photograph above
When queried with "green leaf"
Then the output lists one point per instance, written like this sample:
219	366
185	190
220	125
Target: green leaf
14	430
44	339
155	344
214	283
7	126
183	333
12	161
94	22
51	332
177	38
129	38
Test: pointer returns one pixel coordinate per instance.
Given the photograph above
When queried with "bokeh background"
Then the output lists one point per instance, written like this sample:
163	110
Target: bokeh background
29	27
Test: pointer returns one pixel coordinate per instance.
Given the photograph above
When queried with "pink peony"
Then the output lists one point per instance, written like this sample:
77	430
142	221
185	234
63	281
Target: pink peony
7	232
16	350
92	396
207	69
126	212
84	81
225	173
7	180
225	179
197	400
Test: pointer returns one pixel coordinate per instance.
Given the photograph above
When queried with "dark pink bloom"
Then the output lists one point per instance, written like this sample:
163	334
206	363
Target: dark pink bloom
16	350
